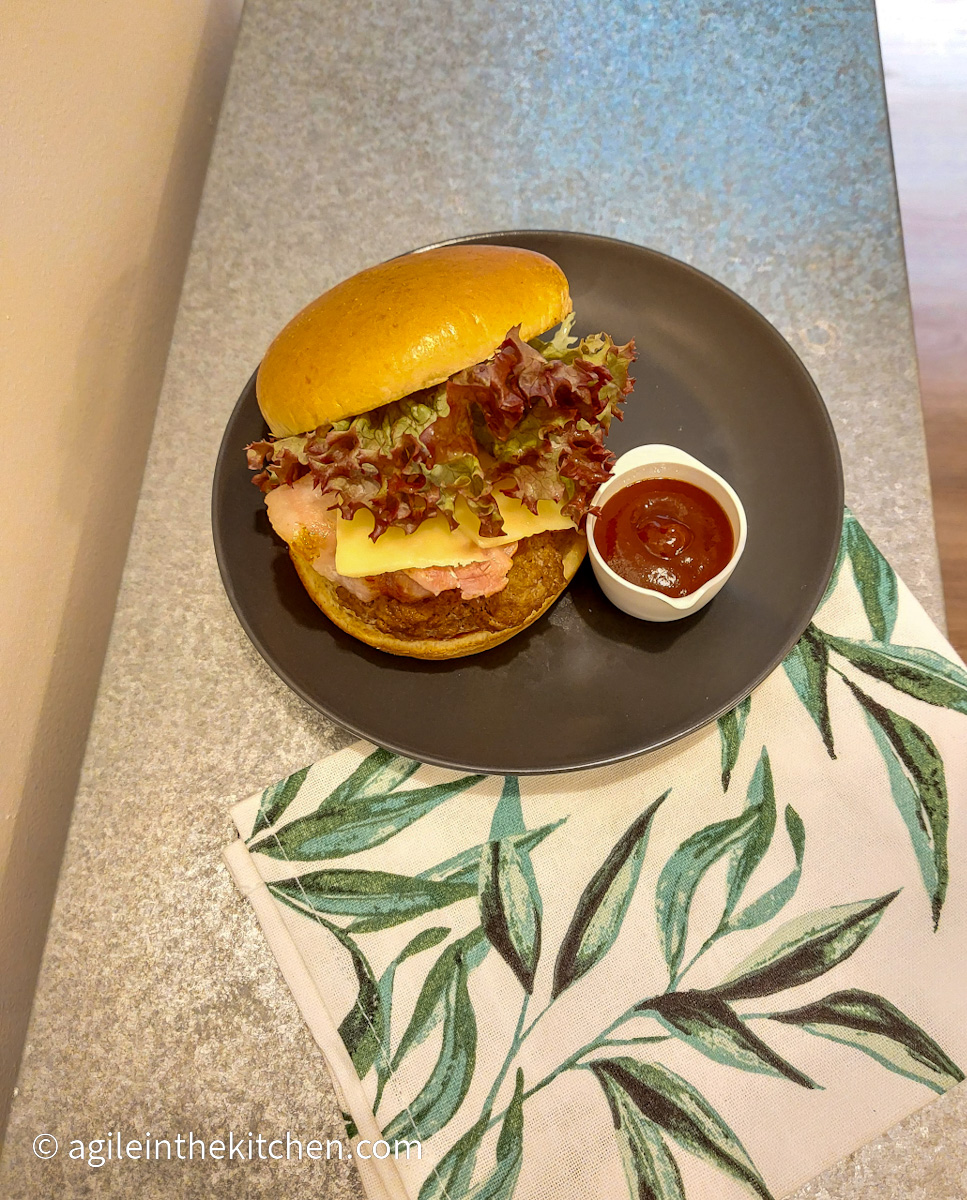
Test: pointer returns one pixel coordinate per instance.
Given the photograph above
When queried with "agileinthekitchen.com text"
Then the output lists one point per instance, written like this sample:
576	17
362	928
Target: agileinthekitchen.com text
117	1146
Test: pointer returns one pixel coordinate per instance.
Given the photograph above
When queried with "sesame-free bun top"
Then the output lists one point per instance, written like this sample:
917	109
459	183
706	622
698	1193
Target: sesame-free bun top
406	324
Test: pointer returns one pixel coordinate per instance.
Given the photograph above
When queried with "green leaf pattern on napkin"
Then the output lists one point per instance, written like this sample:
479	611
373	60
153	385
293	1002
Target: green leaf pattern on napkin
708	1024
672	1104
807	664
650	1168
376	899
874	578
915	769
657	1115
510	910
876	1027
463	954
349	825
731	732
450	1079
919	788
276	799
604	902
744	840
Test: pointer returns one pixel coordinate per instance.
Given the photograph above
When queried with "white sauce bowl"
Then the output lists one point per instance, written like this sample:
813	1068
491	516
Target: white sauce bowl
665	462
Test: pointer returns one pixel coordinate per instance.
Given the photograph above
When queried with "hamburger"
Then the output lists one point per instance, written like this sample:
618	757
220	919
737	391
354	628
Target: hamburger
430	461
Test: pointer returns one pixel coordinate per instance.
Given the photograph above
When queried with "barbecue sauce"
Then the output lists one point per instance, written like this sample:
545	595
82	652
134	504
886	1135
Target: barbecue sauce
665	535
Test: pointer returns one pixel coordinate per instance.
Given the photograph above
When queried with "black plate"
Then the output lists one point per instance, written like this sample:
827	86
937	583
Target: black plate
587	685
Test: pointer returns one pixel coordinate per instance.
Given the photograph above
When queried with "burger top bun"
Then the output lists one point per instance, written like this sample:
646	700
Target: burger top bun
406	324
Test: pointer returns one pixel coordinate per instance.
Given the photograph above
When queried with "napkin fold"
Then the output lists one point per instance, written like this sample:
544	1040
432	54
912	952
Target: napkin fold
706	973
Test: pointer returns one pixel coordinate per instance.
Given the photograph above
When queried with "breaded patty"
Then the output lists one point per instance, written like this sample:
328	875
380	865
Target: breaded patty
537	573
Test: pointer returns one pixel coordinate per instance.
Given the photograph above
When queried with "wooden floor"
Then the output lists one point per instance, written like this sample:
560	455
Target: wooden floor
925	63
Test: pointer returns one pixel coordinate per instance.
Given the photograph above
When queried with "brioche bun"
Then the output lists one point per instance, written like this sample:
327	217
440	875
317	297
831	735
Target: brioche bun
542	569
404	325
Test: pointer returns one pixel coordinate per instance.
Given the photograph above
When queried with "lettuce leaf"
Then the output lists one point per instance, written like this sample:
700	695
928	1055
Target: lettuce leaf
284	458
529	421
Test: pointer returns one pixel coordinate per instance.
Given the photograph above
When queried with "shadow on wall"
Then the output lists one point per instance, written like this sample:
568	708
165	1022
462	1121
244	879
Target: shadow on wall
118	381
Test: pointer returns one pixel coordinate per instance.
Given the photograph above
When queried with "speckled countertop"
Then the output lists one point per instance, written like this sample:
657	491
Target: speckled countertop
750	140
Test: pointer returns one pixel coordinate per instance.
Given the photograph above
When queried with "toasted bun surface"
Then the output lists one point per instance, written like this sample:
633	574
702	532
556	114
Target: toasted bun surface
406	324
535	585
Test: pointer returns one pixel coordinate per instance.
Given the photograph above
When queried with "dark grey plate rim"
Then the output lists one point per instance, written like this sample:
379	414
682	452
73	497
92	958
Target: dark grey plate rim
427	755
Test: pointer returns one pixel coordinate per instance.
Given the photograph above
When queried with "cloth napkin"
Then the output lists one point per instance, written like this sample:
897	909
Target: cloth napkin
706	973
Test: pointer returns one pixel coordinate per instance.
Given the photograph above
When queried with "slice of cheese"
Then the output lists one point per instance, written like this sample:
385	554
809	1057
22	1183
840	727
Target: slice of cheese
519	521
433	544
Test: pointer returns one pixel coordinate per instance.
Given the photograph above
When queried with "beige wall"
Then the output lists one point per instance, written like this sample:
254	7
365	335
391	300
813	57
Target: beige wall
109	110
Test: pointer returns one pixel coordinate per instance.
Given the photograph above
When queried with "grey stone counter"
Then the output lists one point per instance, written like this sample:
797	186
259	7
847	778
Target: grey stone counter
748	140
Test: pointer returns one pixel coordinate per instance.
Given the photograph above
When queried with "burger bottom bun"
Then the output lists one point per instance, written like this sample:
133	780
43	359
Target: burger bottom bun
543	567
